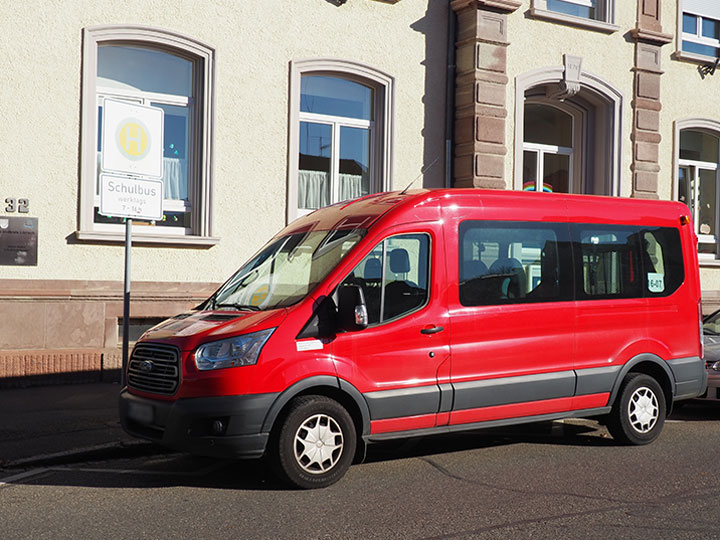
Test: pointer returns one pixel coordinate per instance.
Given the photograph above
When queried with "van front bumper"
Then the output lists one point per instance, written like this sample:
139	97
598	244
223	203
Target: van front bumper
223	427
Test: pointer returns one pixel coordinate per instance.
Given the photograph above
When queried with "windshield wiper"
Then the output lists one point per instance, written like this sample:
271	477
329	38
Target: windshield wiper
239	307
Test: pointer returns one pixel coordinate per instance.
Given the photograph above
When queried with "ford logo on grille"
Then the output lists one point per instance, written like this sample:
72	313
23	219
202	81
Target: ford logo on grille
146	366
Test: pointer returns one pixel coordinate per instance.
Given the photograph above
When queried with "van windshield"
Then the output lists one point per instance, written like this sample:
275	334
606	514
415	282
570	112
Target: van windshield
286	269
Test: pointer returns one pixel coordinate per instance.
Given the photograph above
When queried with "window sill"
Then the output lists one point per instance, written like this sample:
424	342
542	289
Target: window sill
694	57
589	24
148	239
709	262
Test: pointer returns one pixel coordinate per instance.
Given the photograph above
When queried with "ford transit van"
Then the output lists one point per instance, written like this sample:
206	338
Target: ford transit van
418	313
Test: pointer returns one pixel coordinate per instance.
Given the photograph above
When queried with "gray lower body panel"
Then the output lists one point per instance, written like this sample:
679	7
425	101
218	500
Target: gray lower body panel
187	424
690	377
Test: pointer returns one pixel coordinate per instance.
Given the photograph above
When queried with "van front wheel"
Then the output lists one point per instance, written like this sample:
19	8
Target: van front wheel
638	414
315	443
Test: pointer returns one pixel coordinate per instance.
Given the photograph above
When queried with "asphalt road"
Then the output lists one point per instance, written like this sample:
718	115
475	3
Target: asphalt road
560	480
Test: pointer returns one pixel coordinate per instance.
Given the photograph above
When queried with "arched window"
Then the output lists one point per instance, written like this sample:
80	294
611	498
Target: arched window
569	133
698	154
164	70
340	134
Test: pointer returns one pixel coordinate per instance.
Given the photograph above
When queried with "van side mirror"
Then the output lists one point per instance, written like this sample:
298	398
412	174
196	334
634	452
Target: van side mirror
352	310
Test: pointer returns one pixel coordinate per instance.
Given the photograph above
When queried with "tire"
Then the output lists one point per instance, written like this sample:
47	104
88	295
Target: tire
314	444
638	414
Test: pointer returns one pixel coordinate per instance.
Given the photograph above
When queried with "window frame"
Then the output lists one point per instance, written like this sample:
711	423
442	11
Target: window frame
711	127
201	129
576	152
381	136
539	10
600	136
383	244
697	37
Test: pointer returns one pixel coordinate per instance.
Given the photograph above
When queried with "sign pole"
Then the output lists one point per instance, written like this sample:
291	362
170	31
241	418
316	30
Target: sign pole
126	301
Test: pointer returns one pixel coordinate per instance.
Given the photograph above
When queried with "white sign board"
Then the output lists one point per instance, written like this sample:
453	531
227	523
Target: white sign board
132	139
140	198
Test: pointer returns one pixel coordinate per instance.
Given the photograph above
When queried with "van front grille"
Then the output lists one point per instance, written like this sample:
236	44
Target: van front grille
154	368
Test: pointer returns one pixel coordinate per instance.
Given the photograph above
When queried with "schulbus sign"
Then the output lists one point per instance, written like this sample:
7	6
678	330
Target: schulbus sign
139	198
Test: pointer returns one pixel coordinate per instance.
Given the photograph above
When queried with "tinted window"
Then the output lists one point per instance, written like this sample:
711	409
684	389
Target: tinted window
626	262
512	262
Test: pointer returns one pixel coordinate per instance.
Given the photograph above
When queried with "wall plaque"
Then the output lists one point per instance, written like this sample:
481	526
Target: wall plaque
18	241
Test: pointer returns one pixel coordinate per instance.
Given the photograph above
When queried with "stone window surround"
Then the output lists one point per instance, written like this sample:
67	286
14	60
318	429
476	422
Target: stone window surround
699	124
384	87
587	80
203	57
539	10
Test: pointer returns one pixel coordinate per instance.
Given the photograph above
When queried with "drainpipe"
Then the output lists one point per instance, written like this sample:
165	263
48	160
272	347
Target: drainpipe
450	95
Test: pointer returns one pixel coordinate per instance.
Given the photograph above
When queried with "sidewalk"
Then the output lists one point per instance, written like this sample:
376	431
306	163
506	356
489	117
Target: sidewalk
44	423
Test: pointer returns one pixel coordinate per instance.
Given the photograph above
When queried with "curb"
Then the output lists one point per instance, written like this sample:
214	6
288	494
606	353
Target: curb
113	450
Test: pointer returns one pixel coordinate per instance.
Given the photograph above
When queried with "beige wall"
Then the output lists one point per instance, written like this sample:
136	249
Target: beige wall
536	43
254	41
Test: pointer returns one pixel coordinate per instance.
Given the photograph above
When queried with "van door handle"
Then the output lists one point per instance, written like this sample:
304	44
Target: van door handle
433	330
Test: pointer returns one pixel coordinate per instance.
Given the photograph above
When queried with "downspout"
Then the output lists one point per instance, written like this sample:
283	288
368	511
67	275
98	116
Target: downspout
450	95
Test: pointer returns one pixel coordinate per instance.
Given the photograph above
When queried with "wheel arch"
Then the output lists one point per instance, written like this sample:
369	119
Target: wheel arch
653	366
332	387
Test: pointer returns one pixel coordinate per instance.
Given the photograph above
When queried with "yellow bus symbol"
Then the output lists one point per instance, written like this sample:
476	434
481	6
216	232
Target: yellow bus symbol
259	295
133	140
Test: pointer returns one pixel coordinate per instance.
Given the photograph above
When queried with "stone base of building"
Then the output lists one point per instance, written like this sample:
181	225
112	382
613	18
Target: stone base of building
66	331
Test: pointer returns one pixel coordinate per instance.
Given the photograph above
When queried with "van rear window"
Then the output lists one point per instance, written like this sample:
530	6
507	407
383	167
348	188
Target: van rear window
503	262
617	261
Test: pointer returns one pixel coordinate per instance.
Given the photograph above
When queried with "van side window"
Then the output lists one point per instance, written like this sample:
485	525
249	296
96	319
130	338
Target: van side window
512	262
627	262
394	276
663	261
610	262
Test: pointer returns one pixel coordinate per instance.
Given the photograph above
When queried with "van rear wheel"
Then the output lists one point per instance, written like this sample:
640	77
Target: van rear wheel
315	443
638	414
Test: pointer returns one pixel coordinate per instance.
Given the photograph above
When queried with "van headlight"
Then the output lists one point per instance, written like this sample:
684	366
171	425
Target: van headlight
238	351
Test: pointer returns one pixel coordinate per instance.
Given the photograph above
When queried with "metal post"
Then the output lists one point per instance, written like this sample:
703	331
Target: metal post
126	301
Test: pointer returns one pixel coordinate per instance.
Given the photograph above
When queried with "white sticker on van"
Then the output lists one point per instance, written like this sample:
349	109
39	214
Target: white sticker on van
656	282
309	345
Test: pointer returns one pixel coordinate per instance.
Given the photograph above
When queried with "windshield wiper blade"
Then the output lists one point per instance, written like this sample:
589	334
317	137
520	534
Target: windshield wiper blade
239	307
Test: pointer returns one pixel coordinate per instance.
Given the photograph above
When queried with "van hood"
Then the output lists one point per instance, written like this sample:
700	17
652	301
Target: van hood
188	330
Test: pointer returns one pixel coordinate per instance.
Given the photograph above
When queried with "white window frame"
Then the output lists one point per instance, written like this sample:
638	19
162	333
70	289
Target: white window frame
201	125
711	127
544	149
336	123
697	37
381	136
606	8
695	167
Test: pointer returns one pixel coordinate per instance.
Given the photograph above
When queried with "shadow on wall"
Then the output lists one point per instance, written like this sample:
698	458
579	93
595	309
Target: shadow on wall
24	369
434	26
51	379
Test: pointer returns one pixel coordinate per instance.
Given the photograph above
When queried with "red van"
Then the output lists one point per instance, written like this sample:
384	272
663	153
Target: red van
407	314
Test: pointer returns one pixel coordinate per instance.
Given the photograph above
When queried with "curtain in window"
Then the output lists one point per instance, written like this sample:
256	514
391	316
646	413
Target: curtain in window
314	192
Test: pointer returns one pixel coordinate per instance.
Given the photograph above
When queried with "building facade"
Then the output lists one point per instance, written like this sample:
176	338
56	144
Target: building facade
274	108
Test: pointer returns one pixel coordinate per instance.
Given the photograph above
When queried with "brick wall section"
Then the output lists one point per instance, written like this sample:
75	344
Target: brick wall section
647	105
32	368
480	113
56	331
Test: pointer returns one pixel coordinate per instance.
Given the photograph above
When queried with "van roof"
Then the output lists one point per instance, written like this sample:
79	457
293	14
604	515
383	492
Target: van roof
363	212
